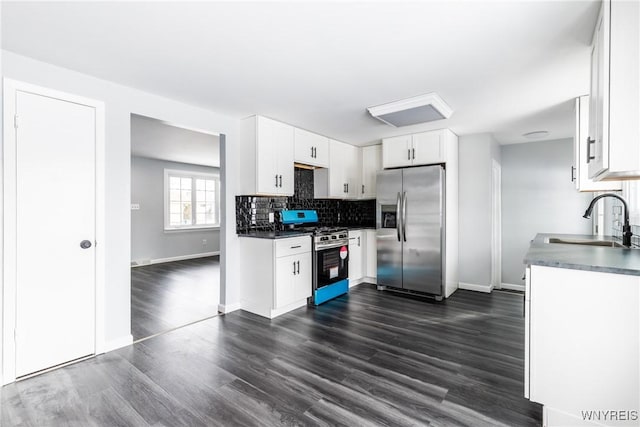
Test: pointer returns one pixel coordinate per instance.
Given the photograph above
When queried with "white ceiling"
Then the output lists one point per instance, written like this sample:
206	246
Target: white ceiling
505	67
156	139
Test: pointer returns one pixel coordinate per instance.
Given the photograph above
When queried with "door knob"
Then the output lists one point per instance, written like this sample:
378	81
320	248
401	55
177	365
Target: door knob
85	244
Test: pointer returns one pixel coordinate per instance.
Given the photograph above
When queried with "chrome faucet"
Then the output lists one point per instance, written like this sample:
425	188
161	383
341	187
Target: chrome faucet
626	228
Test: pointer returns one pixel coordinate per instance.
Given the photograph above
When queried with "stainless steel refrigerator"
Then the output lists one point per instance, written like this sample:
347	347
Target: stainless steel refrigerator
410	228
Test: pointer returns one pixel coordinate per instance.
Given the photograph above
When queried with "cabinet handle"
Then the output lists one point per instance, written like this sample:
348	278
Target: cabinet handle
573	176
298	262
408	154
315	153
413	153
312	152
280	181
362	188
358	240
276	180
296	247
294	268
589	156
347	187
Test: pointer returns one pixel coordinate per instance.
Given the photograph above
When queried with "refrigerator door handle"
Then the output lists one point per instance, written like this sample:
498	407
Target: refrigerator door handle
404	216
398	219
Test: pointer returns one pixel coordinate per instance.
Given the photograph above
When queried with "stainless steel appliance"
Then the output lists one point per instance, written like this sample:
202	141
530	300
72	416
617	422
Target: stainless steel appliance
410	223
330	264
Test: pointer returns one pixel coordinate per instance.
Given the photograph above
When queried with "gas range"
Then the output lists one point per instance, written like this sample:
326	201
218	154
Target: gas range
330	254
330	237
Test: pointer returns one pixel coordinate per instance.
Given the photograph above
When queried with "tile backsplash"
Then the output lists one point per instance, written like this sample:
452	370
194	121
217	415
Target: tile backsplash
252	212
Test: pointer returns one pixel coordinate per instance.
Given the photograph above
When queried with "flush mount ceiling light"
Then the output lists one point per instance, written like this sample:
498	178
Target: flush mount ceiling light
411	111
536	134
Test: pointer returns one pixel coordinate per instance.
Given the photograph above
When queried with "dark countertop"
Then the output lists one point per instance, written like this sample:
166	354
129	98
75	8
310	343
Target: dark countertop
581	257
293	233
275	234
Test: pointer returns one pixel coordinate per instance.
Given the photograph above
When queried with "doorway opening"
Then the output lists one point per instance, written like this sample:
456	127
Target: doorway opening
175	226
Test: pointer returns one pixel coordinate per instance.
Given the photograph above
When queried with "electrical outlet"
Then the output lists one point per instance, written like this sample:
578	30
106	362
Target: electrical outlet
135	206
271	217
204	242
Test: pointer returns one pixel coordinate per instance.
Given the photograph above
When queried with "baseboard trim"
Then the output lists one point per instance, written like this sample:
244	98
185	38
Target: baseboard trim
365	279
226	309
118	343
142	263
474	287
512	287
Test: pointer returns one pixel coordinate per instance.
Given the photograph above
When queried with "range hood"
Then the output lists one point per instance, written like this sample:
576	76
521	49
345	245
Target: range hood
412	111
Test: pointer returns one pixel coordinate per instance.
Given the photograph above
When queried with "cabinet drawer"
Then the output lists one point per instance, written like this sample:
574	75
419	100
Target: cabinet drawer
292	246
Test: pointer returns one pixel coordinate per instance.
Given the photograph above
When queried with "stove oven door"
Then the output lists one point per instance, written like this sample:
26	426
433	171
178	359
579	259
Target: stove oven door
332	265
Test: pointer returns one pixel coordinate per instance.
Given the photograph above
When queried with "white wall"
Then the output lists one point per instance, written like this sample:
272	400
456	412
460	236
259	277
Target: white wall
537	197
149	240
120	101
476	155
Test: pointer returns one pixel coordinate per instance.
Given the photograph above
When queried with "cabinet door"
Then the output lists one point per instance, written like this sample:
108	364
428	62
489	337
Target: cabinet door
311	149
355	255
581	175
338	152
396	151
267	175
284	288
302	279
428	148
371	257
371	164
599	149
284	147
351	166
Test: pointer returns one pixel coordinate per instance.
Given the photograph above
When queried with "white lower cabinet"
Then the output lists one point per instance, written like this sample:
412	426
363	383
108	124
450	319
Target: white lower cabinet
371	254
356	256
582	343
277	277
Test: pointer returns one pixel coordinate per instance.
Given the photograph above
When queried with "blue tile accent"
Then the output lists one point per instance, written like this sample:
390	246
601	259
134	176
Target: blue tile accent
329	292
299	216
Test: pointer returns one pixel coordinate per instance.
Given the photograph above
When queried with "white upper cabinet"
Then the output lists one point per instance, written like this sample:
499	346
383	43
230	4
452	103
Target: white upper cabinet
311	148
267	146
371	163
396	151
613	150
580	170
342	179
423	148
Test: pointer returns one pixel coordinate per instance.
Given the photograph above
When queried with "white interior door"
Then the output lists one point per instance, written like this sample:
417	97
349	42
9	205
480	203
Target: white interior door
55	212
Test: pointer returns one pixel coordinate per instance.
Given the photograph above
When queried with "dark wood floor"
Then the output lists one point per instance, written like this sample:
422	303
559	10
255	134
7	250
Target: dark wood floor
172	294
363	359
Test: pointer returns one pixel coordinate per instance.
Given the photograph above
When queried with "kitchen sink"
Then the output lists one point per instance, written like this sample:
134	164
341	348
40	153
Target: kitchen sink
585	242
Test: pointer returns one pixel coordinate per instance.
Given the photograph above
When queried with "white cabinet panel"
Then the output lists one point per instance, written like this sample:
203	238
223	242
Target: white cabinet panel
371	157
584	340
396	151
356	255
615	103
267	150
580	173
428	148
279	279
342	179
423	148
371	253
311	149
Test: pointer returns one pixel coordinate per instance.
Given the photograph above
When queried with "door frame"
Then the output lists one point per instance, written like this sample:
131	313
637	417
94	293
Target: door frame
496	225
8	219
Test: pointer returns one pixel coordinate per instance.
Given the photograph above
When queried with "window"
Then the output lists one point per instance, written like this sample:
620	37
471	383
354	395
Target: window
191	200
